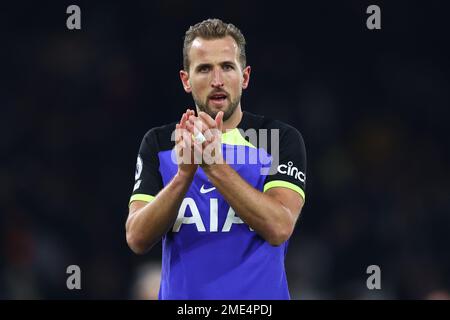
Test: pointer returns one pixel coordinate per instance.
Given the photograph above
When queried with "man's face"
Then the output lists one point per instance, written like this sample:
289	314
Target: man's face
215	76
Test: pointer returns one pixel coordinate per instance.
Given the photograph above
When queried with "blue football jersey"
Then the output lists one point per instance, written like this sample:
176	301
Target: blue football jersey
210	253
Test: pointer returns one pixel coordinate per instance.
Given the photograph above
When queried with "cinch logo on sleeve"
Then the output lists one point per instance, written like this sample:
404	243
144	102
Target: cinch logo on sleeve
291	171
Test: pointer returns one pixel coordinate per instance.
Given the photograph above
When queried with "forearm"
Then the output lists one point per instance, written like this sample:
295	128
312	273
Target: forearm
263	213
147	225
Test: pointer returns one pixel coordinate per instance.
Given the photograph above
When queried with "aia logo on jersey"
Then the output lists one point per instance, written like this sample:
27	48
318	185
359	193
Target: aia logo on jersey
292	171
197	220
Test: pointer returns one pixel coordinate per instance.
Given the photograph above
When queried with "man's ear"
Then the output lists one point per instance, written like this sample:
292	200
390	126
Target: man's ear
246	75
184	76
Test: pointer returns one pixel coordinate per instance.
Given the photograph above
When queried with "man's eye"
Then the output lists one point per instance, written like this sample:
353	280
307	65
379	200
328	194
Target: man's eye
203	69
228	67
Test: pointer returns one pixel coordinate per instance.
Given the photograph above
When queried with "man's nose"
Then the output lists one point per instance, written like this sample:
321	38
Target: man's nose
217	81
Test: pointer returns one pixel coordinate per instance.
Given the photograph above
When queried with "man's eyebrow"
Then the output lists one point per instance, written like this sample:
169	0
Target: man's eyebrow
203	65
228	62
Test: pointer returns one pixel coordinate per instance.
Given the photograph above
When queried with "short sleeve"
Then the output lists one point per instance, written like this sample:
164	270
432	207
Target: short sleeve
288	168
147	179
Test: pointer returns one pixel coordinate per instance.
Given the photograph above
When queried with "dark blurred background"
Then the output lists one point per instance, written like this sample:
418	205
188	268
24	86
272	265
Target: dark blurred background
372	107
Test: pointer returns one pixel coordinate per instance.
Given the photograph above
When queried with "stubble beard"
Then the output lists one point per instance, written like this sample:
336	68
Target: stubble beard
228	112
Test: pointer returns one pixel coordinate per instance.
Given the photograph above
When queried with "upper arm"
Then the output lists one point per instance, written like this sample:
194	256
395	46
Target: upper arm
148	181
290	199
286	181
135	206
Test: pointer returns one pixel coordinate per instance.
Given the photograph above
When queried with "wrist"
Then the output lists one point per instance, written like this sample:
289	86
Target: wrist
182	175
213	169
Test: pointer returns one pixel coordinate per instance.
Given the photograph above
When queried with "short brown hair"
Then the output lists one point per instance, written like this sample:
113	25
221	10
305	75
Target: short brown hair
213	29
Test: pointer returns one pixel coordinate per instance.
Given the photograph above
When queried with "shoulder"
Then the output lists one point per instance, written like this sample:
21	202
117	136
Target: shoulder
160	137
285	130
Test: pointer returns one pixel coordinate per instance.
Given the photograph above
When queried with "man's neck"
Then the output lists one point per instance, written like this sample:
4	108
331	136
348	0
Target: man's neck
233	121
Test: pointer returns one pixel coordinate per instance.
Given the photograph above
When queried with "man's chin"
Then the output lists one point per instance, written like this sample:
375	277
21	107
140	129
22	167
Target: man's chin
214	110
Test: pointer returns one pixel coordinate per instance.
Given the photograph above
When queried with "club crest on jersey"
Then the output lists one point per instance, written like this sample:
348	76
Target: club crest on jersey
138	168
292	171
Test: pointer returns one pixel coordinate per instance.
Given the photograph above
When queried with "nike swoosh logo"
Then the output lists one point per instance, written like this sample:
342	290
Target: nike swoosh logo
203	190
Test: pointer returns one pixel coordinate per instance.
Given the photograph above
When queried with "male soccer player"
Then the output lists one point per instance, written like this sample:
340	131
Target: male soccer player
224	224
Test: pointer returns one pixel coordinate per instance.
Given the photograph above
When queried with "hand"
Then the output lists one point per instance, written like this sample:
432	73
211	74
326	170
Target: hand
208	151
184	147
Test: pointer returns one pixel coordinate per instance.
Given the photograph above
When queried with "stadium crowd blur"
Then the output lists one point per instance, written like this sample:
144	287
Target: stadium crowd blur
372	107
